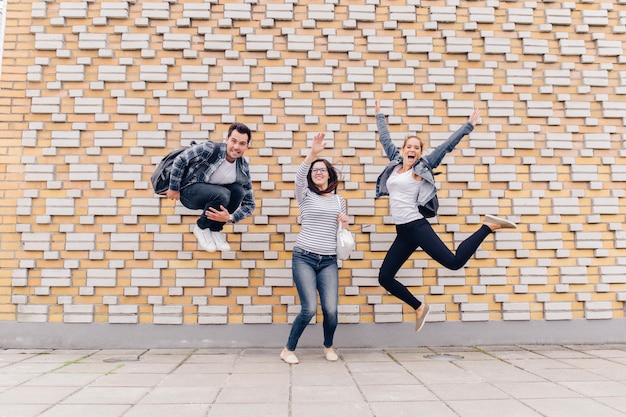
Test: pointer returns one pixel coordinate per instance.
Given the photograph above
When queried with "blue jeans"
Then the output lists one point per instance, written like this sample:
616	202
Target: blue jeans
202	196
314	273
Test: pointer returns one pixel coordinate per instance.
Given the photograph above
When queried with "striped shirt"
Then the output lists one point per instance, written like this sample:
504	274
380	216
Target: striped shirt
318	217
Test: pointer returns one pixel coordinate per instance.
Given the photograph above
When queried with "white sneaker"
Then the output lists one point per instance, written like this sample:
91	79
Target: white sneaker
205	240
330	354
220	241
289	357
504	223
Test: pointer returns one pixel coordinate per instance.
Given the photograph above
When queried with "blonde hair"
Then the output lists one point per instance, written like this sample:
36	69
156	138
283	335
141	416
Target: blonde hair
413	137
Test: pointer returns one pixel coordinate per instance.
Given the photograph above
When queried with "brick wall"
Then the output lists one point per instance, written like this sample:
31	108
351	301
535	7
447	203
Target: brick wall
95	93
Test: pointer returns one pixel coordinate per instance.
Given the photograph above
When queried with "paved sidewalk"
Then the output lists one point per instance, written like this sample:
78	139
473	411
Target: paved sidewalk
490	381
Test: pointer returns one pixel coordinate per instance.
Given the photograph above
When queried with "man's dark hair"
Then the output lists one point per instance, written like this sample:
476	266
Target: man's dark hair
241	128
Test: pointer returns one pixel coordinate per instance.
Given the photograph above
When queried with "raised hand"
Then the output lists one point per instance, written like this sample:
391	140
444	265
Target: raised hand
474	119
318	144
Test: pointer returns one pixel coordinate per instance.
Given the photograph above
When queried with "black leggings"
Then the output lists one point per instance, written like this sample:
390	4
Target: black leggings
420	233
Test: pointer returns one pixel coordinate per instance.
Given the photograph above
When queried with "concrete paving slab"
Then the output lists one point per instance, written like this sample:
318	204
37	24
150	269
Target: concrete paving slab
83	410
525	381
168	410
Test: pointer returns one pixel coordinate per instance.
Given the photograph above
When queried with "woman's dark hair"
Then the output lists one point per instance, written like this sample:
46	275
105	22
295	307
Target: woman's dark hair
333	178
241	128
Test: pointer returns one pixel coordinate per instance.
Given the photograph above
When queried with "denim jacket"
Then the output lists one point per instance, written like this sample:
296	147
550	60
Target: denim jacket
192	166
434	158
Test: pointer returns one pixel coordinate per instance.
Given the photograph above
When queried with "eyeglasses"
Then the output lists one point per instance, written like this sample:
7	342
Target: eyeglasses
318	170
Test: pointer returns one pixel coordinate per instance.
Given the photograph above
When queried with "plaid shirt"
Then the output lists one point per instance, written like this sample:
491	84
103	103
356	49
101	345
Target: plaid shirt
192	166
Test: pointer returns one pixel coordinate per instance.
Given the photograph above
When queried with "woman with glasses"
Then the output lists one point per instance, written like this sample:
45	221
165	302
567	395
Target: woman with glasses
408	181
314	262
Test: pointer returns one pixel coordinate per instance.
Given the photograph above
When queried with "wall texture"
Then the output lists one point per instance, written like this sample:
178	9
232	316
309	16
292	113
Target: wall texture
95	93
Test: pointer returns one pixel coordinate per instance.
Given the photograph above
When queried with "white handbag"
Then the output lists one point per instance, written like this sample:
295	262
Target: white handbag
345	240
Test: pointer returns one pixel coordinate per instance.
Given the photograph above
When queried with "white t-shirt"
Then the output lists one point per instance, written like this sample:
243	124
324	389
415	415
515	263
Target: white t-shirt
225	174
403	191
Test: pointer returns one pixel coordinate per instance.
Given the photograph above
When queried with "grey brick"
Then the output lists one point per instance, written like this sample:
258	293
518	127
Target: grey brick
192	73
388	313
455	45
595	17
173	105
562	17
56	277
534	275
84	105
80	241
76	10
605	205
300	43
218	42
606	47
153	10
341	44
39	10
549	240
45	105
380	43
60	207
153	73
596	78
279	11
236	74
321	12
101	277
237	11
208	314
405	13
216	106
400	75
613	109
557	77
482	14
339	107
200	11
520	16
446	14
92	41
260	106
125	242
559	140
535	46
441	75
176	41
114	10
135	41
108	138
49	42
131	105
319	75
